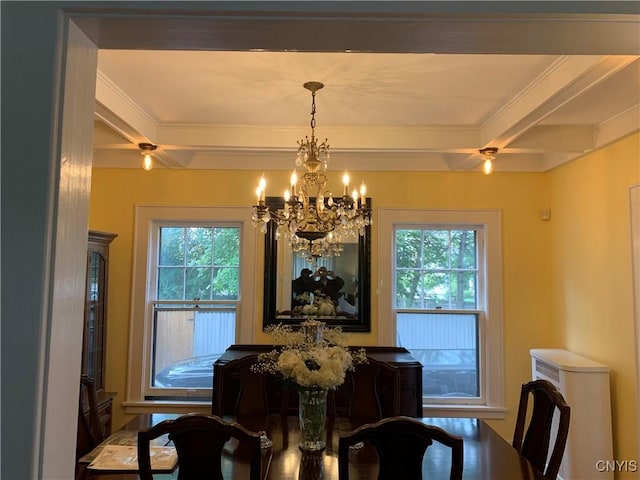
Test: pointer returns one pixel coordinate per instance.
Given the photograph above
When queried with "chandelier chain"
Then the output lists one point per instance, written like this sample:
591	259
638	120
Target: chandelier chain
313	112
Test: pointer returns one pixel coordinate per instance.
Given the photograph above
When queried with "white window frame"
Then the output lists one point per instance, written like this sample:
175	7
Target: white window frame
147	218
153	303
491	336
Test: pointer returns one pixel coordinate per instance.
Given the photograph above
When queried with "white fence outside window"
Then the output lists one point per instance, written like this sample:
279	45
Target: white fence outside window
447	346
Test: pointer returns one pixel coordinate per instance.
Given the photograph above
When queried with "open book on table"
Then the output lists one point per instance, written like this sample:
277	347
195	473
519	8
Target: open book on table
125	457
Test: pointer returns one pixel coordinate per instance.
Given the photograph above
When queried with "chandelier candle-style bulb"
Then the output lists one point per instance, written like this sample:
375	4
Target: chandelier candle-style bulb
312	221
363	193
294	182
262	188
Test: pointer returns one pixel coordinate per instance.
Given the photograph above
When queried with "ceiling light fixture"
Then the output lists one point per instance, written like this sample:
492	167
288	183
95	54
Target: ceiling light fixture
313	221
488	155
146	149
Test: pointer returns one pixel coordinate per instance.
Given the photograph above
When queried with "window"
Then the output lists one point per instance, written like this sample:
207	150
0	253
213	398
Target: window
444	302
196	284
436	276
194	278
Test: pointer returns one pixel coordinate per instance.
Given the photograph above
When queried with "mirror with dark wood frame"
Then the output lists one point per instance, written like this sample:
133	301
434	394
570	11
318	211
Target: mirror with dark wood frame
282	266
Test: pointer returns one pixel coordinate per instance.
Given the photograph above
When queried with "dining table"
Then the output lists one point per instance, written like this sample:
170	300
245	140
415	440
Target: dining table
487	456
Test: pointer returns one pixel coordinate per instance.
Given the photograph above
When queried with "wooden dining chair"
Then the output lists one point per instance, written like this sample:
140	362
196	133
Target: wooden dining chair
251	397
401	443
199	440
534	443
90	432
373	390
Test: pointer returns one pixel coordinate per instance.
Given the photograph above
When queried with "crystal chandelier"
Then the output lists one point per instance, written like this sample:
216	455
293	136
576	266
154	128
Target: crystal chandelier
312	220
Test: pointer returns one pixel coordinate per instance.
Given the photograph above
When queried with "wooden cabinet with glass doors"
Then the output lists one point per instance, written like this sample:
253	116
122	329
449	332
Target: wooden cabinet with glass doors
95	321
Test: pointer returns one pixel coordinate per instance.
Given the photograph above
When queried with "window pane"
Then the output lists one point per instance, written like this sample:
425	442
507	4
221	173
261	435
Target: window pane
463	249
463	291
171	246
187	342
199	244
225	283
436	249
170	283
436	287
407	294
447	346
408	248
227	246
198	283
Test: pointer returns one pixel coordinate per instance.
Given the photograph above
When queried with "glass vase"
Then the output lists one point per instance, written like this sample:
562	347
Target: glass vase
313	331
313	413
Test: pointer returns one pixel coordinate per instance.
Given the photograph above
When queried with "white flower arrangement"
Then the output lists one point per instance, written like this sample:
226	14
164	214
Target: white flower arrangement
315	305
314	356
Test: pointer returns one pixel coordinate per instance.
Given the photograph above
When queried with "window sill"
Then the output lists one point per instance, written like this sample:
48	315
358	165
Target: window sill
428	410
166	406
474	411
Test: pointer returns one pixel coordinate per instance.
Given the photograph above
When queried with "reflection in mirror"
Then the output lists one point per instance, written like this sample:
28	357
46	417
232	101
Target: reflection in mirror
333	278
333	289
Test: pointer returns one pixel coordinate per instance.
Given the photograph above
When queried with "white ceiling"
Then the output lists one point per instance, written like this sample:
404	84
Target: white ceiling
379	111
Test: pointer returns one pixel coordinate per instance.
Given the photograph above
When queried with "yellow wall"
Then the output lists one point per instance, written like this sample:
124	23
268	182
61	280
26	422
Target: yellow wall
592	296
534	316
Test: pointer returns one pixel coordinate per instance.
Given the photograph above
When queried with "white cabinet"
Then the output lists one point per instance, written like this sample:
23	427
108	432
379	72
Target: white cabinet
584	384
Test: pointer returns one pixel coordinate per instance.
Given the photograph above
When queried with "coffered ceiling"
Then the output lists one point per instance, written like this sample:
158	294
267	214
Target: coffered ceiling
401	110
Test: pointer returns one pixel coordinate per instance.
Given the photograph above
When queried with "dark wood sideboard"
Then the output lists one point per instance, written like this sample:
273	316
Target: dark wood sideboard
410	381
